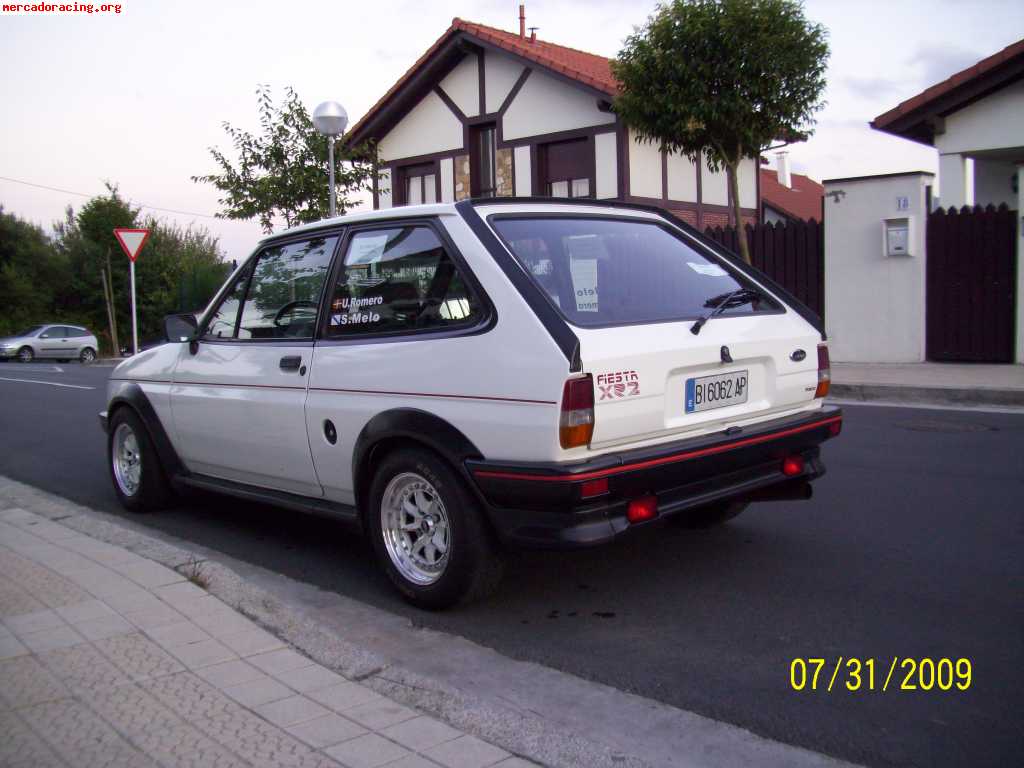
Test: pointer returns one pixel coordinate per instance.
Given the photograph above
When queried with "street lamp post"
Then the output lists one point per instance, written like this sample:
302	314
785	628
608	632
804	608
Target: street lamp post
330	119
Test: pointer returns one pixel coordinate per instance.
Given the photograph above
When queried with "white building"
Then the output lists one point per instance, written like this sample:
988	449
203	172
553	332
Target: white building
975	119
485	112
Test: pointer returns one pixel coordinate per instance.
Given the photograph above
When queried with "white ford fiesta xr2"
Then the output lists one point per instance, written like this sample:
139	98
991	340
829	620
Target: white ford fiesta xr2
466	379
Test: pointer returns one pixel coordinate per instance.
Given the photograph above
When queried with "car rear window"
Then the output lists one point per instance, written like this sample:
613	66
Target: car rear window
602	271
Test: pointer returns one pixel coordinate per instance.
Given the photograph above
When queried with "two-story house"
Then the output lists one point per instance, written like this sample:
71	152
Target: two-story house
485	112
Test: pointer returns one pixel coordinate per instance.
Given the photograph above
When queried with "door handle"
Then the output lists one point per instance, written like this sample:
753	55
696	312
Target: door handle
290	363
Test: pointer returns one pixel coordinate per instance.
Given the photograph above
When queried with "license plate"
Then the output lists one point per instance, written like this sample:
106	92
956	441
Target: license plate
707	392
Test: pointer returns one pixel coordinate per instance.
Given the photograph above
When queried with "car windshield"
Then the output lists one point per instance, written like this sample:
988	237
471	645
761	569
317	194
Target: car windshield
601	272
31	331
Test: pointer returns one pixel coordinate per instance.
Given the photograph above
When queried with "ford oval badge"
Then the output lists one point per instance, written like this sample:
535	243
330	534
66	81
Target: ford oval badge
798	355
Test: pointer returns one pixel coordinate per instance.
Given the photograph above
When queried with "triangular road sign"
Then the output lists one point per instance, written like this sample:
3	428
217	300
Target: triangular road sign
131	240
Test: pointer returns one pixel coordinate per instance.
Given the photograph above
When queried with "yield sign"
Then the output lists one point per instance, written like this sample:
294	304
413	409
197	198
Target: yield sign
131	240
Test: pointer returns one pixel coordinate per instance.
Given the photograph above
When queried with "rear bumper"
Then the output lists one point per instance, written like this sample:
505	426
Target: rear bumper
541	504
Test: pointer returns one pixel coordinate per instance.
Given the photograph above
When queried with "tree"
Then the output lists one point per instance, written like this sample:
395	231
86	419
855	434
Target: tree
30	270
723	77
283	172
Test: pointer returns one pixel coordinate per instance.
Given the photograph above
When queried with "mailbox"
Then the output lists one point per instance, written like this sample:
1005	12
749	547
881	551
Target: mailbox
898	236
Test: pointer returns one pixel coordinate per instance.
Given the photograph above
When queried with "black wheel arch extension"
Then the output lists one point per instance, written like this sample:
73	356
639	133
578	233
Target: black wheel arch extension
408	426
131	396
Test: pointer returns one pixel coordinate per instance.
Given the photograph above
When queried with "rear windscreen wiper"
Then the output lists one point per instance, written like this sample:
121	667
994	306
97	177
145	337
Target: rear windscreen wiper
745	295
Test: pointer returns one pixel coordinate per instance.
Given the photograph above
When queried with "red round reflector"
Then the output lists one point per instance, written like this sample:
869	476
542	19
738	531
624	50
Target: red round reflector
644	508
793	466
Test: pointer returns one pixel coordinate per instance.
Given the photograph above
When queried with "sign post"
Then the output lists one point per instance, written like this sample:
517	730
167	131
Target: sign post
131	241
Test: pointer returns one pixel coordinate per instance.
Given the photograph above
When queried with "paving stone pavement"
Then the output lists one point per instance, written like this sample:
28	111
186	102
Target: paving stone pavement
110	659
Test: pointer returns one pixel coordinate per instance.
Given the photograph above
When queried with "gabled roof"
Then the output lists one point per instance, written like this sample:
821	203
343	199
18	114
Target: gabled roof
914	118
802	200
589	70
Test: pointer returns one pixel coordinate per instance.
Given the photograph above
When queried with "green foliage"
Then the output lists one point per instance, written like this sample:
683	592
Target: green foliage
283	172
27	260
725	76
50	280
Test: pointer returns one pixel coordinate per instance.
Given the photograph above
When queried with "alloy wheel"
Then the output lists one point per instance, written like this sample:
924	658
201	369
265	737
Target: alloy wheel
126	460
415	524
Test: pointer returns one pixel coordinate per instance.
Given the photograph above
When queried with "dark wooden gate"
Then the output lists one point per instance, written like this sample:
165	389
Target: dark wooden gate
971	285
791	253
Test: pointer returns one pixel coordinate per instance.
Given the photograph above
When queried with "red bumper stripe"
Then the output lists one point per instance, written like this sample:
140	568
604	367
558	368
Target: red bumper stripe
656	462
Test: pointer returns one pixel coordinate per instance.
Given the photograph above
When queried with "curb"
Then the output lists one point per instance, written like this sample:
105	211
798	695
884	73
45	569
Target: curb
895	393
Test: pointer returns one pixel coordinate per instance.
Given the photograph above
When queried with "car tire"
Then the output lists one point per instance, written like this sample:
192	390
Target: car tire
416	487
26	355
87	356
139	480
711	515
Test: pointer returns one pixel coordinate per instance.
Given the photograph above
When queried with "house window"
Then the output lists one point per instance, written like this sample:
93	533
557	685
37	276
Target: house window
566	168
420	184
482	175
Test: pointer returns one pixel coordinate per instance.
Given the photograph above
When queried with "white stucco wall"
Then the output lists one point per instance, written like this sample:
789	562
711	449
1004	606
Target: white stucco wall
462	85
606	166
714	187
874	304
956	176
547	105
994	122
746	180
644	168
521	158
500	74
429	127
384	189
682	178
447	180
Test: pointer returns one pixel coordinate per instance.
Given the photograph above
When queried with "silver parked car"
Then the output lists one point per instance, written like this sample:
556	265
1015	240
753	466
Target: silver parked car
60	342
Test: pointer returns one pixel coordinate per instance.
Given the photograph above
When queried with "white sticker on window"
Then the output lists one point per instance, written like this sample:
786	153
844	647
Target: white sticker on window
365	250
584	283
711	270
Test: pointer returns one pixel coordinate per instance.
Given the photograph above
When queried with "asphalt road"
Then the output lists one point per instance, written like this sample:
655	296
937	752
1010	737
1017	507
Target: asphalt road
911	547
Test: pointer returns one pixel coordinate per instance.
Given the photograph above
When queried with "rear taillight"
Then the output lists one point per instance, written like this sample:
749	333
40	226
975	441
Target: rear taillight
824	371
576	422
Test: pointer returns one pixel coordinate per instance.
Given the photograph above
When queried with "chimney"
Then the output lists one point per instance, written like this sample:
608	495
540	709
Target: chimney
522	20
782	168
533	34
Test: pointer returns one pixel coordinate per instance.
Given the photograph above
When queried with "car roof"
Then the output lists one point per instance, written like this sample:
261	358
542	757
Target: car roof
508	204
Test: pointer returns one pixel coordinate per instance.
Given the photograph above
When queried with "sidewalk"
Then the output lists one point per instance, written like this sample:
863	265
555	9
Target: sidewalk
935	383
109	658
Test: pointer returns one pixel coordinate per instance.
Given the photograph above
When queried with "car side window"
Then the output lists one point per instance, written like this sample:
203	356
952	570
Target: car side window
399	279
222	322
49	333
285	290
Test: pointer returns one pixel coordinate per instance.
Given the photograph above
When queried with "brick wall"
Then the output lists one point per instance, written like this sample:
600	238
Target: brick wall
462	190
503	173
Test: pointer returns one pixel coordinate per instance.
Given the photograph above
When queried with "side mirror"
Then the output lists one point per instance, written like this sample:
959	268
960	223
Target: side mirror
179	328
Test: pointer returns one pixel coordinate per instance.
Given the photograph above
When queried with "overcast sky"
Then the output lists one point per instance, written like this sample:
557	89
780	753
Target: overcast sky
138	98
